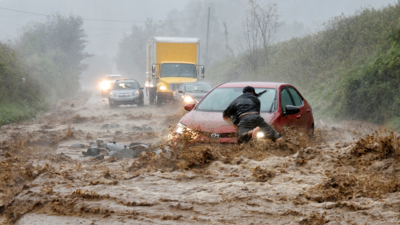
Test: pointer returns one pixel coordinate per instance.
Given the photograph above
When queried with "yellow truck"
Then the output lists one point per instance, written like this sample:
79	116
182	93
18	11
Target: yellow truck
171	61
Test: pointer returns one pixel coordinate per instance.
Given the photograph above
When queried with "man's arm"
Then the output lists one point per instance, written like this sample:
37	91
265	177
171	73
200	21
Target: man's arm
230	110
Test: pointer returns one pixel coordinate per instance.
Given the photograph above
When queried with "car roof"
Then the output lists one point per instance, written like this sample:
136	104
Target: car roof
254	84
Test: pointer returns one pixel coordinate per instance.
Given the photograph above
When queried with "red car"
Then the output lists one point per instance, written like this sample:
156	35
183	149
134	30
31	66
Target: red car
282	105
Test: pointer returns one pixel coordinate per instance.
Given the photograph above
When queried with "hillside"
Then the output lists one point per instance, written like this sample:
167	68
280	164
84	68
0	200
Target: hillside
347	70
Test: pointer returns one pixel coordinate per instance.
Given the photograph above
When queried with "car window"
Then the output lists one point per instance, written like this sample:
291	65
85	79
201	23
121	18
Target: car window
298	101
125	86
219	99
285	99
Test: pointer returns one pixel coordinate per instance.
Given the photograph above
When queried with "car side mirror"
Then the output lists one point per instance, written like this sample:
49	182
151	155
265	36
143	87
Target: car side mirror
189	107
153	70
291	109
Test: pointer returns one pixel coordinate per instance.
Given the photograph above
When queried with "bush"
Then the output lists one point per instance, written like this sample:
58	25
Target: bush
18	100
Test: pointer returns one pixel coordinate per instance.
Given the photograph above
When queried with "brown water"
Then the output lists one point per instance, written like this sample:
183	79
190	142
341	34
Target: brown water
348	174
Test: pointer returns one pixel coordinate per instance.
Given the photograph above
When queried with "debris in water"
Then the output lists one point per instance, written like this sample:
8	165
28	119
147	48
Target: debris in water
92	151
77	146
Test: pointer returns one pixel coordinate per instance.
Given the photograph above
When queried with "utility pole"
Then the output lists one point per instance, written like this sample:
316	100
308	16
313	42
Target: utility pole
208	29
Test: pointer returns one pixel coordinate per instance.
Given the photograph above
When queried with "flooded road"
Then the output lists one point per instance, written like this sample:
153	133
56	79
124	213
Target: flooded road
348	174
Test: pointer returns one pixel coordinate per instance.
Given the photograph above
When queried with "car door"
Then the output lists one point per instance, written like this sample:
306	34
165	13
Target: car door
303	115
286	99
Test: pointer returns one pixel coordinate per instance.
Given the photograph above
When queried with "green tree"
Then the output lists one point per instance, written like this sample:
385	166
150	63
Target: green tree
53	52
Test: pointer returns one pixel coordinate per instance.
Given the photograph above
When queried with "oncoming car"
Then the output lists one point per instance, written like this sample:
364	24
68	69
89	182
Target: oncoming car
126	92
192	92
107	83
282	105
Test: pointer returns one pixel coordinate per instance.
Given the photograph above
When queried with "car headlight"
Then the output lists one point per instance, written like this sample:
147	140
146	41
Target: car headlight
179	128
189	99
135	93
163	88
111	94
105	85
260	135
182	129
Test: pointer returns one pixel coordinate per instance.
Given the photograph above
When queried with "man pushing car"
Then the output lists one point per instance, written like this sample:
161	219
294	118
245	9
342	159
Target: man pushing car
245	113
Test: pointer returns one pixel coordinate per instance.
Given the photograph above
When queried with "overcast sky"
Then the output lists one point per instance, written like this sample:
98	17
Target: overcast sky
104	36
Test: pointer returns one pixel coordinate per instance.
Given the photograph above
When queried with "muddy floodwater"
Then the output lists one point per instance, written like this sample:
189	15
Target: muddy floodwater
347	174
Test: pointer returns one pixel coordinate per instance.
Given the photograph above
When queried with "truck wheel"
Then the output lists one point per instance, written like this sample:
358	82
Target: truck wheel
151	98
159	100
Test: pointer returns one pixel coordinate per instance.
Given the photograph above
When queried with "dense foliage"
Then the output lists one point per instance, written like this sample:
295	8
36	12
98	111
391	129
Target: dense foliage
348	70
18	100
52	52
49	56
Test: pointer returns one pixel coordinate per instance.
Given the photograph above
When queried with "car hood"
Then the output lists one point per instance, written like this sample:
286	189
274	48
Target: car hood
129	91
212	122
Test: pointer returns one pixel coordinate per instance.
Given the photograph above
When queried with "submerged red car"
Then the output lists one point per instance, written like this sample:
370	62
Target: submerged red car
282	105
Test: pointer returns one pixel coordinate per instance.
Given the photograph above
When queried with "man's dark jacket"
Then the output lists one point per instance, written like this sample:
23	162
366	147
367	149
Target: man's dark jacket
245	103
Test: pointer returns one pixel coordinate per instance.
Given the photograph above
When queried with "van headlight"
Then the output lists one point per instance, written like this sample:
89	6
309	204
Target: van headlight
189	99
162	88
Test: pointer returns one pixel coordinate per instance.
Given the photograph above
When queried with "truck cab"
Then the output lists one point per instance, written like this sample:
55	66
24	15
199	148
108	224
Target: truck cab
170	62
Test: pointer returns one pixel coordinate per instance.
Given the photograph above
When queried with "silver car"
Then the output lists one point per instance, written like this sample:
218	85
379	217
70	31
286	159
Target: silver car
126	92
192	92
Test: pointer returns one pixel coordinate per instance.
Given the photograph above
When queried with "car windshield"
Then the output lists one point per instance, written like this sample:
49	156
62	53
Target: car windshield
219	99
198	87
178	70
125	85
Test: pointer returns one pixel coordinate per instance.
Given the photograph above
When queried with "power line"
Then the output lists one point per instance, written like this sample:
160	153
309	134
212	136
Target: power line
37	14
